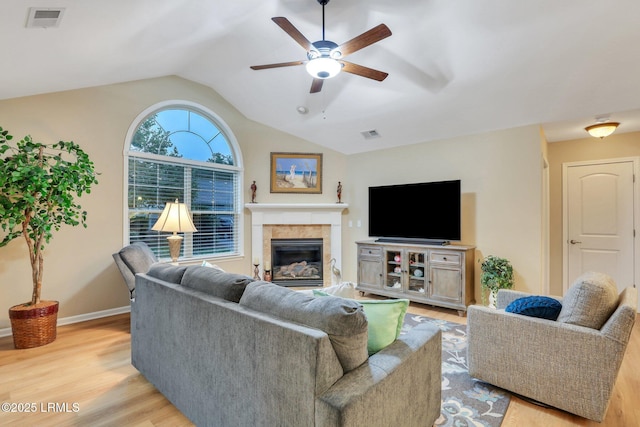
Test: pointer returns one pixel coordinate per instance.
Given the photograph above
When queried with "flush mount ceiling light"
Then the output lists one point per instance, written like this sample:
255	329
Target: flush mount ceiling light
601	130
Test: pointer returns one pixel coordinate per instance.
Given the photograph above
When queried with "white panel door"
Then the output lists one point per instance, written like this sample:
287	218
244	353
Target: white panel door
599	202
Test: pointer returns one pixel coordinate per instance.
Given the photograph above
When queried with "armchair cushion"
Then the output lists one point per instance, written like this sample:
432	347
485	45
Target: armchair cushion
536	306
590	301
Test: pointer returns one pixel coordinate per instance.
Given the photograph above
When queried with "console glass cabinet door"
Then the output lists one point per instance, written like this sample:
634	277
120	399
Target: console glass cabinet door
405	270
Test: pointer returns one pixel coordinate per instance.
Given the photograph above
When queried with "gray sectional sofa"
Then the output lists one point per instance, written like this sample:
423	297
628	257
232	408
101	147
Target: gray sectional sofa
230	351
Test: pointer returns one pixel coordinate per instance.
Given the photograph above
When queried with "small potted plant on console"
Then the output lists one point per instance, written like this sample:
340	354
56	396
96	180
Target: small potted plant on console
497	273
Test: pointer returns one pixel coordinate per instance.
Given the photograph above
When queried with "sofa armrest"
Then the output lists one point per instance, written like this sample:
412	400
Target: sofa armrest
545	360
399	385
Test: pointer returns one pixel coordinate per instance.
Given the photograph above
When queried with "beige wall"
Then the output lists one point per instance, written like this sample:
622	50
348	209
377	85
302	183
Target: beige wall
79	271
617	145
501	201
500	173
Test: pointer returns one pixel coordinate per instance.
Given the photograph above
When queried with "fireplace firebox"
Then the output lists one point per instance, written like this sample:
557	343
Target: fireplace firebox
296	262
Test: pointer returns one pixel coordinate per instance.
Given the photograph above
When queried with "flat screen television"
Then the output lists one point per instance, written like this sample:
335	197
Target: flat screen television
426	212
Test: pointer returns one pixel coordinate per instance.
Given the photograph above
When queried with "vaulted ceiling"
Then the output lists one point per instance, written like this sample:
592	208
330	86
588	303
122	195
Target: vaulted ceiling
455	67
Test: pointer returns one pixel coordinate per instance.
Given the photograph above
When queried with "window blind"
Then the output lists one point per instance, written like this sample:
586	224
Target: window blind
211	194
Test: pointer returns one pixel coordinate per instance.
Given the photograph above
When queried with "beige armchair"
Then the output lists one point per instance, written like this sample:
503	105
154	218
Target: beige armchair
559	363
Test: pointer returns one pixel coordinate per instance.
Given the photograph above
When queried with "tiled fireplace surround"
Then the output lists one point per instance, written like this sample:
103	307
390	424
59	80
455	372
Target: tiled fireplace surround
289	220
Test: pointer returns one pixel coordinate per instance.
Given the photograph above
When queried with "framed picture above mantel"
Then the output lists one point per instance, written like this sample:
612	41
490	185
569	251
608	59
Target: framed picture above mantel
296	173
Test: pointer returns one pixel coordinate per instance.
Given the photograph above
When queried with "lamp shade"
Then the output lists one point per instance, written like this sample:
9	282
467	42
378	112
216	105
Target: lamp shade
600	130
323	67
175	218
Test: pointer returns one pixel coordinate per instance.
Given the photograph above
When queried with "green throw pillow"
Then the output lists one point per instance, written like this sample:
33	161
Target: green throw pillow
384	317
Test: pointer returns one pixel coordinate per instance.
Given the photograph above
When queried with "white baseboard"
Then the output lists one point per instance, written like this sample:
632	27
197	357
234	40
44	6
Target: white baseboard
5	332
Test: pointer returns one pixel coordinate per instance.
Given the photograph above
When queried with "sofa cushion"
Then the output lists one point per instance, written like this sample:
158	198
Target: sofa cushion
589	301
536	306
229	286
385	319
138	257
343	320
167	272
206	263
344	289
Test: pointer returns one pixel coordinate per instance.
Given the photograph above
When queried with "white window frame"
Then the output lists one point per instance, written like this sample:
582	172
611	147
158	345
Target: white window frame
236	152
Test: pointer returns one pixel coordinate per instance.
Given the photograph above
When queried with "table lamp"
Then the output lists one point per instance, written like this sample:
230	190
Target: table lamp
175	218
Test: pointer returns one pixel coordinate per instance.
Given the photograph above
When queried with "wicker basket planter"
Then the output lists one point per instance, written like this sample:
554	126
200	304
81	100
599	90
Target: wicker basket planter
34	325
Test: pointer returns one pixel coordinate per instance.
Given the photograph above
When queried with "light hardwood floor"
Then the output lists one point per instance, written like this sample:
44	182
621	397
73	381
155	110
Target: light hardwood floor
85	378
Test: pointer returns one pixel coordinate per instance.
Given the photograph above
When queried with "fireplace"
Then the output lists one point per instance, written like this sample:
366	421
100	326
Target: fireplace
297	220
297	262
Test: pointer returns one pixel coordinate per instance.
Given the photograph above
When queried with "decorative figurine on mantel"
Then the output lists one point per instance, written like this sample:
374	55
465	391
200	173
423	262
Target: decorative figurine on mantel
256	269
339	191
254	188
267	271
336	271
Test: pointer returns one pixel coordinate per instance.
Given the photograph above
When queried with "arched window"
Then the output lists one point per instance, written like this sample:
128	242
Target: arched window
182	151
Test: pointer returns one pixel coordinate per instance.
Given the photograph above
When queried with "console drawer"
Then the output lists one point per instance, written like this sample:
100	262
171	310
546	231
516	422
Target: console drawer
445	257
370	251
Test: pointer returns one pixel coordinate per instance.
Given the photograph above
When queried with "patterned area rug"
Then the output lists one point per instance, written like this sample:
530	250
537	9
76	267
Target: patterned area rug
465	401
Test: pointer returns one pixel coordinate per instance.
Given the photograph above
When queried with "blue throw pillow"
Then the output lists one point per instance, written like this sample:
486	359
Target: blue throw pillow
535	306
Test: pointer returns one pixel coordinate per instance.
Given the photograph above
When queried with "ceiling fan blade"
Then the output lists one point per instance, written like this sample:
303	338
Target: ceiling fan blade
316	85
278	65
293	32
360	70
363	40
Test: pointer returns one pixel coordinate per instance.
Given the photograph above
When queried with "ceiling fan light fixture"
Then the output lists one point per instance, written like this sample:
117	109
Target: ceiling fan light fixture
325	57
323	68
602	130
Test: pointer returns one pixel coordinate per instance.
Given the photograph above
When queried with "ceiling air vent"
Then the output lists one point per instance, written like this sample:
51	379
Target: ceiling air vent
44	18
370	134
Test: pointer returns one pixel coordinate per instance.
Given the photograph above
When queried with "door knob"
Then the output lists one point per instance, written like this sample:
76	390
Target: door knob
573	242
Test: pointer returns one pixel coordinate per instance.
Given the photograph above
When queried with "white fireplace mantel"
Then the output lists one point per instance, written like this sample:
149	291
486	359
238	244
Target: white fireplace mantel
296	213
310	213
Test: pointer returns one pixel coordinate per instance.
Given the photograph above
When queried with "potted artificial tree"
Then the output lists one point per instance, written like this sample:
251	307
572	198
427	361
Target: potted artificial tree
38	186
497	273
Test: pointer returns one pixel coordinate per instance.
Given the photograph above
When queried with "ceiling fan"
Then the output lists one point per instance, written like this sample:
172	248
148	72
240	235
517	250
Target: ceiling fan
325	58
